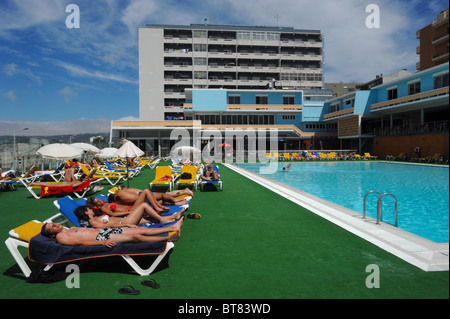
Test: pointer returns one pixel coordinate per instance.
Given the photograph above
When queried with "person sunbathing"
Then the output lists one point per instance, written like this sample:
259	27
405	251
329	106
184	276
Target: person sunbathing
109	236
210	174
141	214
114	209
74	184
133	196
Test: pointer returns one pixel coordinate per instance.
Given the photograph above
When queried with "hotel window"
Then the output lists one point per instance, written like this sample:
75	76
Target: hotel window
273	36
199	74
392	93
289	117
234	99
243	35
200	61
258	35
261	99
288	100
441	81
199	33
199	47
414	88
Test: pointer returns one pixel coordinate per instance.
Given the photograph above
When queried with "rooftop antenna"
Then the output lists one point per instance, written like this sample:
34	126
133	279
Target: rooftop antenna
277	17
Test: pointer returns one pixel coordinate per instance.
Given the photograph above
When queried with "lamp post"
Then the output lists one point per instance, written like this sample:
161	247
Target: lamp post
15	151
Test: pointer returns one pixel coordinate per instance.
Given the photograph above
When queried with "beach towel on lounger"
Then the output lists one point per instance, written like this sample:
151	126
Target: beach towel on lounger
54	190
47	251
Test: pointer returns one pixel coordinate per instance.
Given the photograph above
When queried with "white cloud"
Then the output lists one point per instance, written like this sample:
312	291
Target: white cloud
67	93
12	70
83	72
10	95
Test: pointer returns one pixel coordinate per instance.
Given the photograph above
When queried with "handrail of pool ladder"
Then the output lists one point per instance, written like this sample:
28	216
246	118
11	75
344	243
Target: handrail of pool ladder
379	208
364	208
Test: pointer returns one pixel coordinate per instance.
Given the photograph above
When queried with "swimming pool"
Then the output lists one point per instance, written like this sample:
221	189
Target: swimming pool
422	192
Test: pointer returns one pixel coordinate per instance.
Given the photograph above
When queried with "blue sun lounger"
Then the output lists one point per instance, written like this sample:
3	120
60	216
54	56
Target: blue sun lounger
216	183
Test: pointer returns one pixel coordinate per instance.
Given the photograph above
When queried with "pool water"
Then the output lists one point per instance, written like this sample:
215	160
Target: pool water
422	192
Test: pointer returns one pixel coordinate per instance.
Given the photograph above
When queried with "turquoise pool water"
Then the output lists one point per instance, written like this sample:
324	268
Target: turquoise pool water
422	192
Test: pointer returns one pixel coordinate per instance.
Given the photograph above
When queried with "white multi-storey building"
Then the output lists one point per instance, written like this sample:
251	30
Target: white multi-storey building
173	58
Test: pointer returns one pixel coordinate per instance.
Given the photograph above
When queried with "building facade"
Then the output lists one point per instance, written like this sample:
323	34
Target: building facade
397	116
174	58
433	48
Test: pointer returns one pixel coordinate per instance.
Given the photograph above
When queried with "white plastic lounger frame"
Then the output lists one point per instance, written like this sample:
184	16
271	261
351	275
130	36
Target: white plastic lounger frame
13	243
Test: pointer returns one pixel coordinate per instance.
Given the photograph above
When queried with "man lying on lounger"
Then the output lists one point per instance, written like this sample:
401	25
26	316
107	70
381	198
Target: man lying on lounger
109	237
210	174
74	183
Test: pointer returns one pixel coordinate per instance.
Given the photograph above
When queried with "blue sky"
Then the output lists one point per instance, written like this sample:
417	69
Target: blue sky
57	80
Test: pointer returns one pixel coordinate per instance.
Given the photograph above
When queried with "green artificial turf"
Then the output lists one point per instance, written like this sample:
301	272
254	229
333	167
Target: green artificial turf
249	244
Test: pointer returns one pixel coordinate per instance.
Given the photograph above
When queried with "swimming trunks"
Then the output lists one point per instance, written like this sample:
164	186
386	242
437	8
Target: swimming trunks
105	233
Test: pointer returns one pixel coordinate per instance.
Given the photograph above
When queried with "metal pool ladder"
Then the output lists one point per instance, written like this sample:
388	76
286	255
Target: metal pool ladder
379	206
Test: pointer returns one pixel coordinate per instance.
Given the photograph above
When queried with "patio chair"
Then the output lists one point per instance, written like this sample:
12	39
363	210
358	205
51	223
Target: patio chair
368	156
190	177
131	171
80	191
163	177
47	251
29	176
111	177
215	183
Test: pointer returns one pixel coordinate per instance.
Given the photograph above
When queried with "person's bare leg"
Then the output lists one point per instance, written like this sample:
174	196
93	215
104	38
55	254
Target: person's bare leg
147	195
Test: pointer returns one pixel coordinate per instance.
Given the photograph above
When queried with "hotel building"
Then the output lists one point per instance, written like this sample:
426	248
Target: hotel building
174	58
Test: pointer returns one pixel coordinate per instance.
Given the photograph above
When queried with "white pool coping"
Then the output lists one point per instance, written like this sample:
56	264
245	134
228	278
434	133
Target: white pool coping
418	251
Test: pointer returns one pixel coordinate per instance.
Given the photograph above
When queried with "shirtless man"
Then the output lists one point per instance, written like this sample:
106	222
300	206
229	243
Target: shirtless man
109	237
210	174
74	183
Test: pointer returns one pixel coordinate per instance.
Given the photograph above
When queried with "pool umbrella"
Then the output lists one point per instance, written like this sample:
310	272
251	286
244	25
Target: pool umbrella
108	152
185	152
89	148
129	150
59	151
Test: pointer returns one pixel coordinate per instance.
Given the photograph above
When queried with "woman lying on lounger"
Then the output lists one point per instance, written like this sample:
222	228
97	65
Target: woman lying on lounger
74	183
134	196
141	214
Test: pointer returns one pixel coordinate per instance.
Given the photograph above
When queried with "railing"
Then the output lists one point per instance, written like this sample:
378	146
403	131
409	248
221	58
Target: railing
415	129
379	206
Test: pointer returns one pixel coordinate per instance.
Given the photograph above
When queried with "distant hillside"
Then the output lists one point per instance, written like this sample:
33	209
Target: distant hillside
9	139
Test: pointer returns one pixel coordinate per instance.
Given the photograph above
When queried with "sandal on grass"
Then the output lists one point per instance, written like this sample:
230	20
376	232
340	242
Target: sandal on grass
194	216
151	283
129	290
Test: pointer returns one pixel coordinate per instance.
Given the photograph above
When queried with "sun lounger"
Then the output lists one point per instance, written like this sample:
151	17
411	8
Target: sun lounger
80	191
47	251
163	177
192	180
368	156
111	177
67	206
215	183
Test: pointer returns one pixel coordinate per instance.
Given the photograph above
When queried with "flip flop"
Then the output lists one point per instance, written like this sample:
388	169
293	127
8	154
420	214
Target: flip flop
151	283
128	290
194	216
